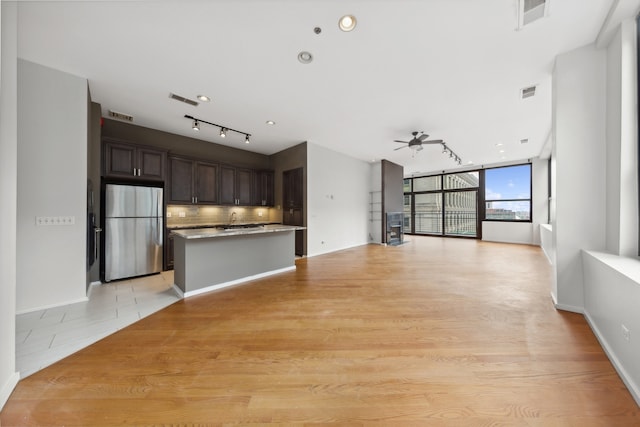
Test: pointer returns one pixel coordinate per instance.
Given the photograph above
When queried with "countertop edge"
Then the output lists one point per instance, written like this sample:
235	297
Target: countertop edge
206	233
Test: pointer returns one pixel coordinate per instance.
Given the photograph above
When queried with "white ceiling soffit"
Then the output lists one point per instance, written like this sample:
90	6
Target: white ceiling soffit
620	10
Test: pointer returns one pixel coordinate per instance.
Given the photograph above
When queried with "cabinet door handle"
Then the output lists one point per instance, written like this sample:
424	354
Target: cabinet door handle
196	199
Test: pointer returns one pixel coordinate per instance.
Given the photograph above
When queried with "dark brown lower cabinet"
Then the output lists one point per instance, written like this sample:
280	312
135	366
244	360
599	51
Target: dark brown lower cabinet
168	250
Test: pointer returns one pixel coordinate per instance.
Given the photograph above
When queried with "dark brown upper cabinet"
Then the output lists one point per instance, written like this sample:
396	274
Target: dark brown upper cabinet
124	160
193	181
235	186
292	181
263	188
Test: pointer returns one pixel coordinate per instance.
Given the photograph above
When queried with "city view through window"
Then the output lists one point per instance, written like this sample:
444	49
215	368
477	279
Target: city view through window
508	193
448	204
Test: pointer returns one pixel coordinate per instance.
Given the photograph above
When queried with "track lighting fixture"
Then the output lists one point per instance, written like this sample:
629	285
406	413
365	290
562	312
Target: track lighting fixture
223	129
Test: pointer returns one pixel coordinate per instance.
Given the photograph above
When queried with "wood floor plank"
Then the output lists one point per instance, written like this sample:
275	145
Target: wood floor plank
436	332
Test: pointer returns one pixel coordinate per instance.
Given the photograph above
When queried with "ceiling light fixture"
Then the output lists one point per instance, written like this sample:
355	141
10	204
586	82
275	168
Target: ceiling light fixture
203	98
305	57
347	23
270	122
223	129
452	155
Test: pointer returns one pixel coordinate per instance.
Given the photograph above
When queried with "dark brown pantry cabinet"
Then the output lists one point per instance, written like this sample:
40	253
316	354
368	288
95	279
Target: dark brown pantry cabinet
125	160
235	186
292	203
192	181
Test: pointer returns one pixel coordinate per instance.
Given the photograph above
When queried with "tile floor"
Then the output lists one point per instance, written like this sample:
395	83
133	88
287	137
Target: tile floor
43	337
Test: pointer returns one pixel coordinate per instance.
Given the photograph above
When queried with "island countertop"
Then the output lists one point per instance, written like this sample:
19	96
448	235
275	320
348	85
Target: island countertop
205	233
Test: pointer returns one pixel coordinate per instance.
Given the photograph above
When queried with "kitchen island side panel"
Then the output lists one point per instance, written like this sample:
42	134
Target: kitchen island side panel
202	263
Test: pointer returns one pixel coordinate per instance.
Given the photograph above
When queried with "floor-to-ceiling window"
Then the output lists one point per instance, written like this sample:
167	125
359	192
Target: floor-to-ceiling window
455	204
442	204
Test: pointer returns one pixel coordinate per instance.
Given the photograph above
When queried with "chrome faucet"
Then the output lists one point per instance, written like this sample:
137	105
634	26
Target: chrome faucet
232	217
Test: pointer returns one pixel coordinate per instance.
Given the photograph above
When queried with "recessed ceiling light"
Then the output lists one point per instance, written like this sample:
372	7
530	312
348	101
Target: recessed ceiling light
347	23
469	162
501	151
305	57
203	98
270	122
499	144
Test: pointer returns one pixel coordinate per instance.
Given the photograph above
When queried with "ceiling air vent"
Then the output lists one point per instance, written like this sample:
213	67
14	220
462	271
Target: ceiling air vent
120	116
183	99
530	11
528	92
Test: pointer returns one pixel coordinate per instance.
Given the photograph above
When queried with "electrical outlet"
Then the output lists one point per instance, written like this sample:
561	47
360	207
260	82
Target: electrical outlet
259	213
168	214
182	214
626	333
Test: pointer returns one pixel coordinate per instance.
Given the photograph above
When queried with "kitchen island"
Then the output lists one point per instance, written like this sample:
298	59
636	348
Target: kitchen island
207	259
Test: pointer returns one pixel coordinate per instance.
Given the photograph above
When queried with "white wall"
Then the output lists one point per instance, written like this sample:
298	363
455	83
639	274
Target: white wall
612	279
8	187
621	172
507	232
337	199
52	179
612	292
579	150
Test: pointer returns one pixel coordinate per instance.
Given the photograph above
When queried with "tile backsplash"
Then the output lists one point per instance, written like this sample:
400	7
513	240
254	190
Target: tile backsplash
190	215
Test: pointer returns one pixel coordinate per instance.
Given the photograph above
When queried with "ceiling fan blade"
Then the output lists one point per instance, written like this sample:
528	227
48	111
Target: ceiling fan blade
433	141
400	148
404	142
423	137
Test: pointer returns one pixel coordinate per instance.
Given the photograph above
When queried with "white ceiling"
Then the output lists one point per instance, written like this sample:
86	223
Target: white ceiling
450	68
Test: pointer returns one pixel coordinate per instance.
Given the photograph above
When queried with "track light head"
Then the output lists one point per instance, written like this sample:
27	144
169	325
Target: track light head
195	126
223	132
246	139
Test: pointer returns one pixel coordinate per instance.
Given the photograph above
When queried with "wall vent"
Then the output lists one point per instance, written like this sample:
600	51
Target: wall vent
183	99
524	141
120	116
531	10
528	92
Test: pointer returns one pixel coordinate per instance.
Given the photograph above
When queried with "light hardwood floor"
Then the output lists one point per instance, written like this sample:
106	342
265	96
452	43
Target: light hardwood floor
436	332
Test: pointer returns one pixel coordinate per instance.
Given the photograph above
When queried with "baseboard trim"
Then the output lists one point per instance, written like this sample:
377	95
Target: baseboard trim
7	388
235	282
633	388
566	307
46	307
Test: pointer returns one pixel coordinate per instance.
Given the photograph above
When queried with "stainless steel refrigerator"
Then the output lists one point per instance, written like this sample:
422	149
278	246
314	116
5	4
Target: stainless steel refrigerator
132	231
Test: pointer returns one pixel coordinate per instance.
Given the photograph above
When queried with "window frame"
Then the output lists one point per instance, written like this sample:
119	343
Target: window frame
485	200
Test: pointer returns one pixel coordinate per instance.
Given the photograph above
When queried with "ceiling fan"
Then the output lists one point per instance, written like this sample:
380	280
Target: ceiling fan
416	143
